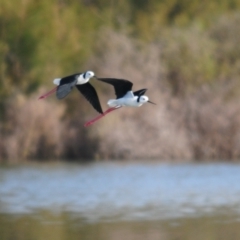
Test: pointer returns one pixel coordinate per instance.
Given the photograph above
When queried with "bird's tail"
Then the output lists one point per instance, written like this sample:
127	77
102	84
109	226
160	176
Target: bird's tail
112	103
56	81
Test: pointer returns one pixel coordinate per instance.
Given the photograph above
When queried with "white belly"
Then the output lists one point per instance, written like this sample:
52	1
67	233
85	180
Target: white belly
130	102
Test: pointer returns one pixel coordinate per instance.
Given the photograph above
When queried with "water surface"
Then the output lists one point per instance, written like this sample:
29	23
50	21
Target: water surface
165	195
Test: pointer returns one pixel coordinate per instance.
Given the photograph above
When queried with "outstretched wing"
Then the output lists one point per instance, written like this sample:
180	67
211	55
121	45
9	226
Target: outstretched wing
89	92
66	85
140	92
121	86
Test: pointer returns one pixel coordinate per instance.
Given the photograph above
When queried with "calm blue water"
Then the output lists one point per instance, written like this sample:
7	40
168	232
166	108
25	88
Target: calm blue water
135	191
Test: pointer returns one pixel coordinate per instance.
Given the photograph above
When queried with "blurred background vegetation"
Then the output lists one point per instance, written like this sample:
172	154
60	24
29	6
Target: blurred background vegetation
187	54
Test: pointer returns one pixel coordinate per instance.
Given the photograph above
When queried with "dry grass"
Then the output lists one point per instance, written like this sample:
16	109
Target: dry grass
146	132
202	122
33	129
213	125
39	129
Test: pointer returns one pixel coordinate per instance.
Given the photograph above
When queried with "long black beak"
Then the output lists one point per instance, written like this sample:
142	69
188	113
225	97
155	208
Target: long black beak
152	102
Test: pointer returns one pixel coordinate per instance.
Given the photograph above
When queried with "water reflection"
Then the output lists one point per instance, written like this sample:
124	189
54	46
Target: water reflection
46	225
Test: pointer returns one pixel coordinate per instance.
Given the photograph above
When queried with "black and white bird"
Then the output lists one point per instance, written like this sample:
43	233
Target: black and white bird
81	82
124	96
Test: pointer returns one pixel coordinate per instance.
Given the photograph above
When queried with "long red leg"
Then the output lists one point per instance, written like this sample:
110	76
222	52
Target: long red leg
100	116
48	93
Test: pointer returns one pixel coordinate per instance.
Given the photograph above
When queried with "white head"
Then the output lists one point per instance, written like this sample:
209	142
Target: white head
144	99
88	74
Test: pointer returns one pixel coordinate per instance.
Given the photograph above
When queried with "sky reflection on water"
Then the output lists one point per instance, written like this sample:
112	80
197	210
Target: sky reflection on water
122	191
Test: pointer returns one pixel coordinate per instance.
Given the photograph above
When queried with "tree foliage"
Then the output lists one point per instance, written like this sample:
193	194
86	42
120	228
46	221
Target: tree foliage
43	39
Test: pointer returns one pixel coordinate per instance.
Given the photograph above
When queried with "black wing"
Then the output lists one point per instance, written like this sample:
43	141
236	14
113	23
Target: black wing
121	86
139	93
69	79
66	85
89	92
